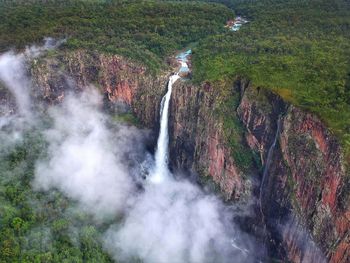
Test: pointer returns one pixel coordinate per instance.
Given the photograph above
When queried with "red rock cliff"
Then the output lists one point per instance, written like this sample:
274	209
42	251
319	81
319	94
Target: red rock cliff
307	192
198	141
120	79
305	199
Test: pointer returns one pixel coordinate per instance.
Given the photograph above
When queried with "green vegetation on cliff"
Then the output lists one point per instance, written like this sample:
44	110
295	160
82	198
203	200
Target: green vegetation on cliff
146	31
299	49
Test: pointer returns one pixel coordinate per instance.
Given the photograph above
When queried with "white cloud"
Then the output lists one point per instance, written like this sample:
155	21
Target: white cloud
13	75
174	222
85	157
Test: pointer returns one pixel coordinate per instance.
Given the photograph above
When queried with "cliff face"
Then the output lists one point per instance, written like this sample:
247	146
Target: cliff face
119	79
126	82
198	141
7	102
305	193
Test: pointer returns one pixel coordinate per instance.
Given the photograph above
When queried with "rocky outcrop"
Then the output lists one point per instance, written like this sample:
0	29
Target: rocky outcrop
259	111
304	199
124	83
7	101
306	194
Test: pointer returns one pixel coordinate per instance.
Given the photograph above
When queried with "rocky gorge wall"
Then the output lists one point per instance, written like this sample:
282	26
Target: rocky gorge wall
123	82
305	198
197	139
305	195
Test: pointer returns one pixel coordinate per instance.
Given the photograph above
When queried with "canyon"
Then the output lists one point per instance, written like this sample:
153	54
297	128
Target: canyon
305	208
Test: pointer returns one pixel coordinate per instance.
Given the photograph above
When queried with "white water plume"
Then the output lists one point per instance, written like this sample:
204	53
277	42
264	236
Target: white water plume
16	86
161	170
14	73
171	221
175	222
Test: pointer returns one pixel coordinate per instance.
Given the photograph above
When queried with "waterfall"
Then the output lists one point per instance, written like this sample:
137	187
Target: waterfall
268	163
161	171
161	157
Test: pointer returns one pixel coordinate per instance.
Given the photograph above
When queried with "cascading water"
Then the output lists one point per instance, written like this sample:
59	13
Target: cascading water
161	157
161	176
268	163
161	171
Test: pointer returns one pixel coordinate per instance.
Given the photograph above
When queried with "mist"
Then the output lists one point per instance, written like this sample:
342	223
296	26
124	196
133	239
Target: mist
14	72
13	75
176	222
85	160
99	164
292	229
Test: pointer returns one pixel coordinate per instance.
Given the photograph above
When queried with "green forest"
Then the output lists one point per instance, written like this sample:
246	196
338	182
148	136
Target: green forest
46	227
40	226
299	49
146	31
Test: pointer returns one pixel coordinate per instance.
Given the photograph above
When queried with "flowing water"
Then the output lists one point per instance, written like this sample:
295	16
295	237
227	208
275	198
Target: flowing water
161	171
160	174
161	157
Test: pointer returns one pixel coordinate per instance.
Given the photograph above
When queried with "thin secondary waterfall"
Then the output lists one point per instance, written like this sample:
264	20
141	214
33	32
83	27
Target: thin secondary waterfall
268	163
161	171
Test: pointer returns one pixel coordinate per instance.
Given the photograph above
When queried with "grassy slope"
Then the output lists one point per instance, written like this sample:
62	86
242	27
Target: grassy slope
299	49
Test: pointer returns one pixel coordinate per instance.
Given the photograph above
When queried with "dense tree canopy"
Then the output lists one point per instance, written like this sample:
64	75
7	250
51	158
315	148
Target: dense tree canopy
299	49
37	226
143	30
40	226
